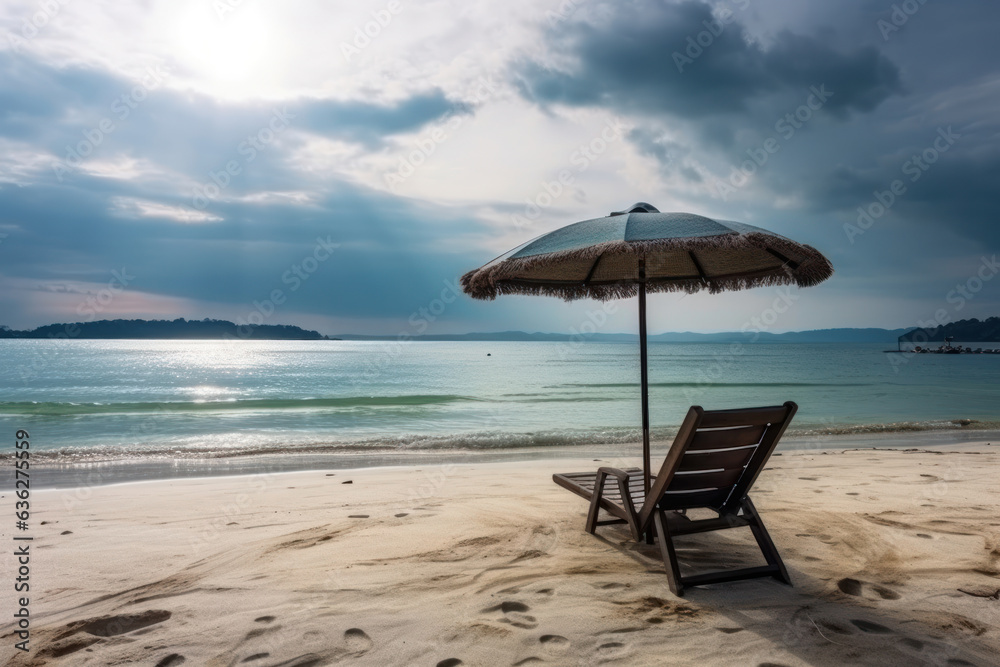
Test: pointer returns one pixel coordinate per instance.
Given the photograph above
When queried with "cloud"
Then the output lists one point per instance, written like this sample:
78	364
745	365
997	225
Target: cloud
129	207
369	124
637	57
956	191
88	113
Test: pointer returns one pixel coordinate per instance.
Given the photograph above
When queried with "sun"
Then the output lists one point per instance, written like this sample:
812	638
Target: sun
233	52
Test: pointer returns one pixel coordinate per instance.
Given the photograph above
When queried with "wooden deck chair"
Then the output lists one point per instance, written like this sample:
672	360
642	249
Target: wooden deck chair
713	463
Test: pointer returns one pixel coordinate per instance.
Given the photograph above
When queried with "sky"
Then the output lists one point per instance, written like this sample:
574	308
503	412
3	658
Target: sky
338	165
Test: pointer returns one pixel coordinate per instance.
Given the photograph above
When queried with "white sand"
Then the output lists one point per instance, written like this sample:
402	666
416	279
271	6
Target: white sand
489	564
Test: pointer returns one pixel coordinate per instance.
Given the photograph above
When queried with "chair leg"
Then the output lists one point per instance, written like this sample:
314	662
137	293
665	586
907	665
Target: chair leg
595	503
633	521
764	541
667	552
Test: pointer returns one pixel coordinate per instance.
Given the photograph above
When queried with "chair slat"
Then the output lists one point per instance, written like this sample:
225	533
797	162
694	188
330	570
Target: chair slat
705	480
747	417
689	499
727	460
726	438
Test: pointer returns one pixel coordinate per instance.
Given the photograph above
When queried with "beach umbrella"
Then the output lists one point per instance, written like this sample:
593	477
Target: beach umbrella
642	250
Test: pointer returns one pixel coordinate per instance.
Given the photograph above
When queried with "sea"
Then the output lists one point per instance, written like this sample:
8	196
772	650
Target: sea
137	409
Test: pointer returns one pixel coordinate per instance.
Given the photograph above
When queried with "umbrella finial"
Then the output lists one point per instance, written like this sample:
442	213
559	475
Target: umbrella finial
638	207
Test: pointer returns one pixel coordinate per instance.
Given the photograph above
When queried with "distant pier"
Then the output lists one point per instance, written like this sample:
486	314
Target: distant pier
946	349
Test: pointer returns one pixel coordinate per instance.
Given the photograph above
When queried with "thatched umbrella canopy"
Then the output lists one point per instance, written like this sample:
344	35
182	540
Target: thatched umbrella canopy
642	250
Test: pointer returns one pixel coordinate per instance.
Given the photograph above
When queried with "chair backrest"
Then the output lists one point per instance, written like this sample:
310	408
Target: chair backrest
716	458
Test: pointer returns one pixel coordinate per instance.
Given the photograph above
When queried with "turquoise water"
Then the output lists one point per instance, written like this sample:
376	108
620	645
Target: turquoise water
87	400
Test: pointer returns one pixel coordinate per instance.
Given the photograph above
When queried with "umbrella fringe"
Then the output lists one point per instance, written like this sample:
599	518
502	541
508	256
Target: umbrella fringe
502	277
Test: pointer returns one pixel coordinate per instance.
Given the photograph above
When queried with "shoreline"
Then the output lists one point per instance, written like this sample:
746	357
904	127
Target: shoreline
75	474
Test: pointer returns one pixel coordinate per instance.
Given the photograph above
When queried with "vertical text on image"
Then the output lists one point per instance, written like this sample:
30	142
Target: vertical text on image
22	541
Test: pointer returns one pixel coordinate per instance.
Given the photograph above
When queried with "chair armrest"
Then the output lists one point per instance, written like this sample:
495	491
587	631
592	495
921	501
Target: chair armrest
617	473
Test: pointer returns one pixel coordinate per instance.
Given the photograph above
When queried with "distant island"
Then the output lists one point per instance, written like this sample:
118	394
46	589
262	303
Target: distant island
814	336
169	329
965	331
962	331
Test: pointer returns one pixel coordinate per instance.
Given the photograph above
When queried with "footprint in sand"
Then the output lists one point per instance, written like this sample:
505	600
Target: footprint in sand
112	626
612	651
514	613
255	656
554	644
172	660
864	589
358	641
981	592
400	515
307	660
258	632
263	619
931	653
449	662
729	631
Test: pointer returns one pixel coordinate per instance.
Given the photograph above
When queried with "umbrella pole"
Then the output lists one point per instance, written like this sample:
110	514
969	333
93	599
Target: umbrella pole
644	376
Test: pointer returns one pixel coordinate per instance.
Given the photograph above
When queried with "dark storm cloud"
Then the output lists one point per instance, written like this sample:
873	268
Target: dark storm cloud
725	93
955	189
639	58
